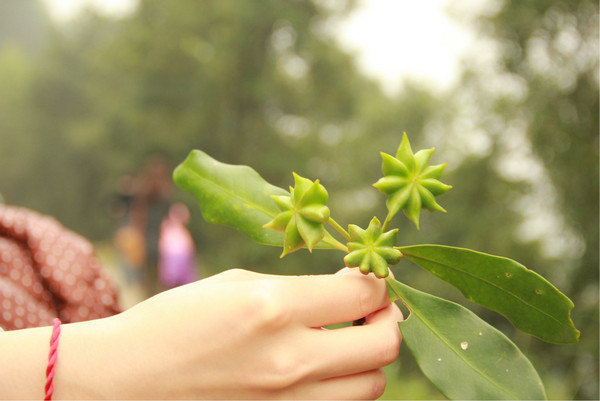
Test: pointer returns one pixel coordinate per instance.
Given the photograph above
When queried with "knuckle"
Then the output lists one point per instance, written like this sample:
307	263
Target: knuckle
283	370
390	347
268	304
367	295
377	384
365	303
236	274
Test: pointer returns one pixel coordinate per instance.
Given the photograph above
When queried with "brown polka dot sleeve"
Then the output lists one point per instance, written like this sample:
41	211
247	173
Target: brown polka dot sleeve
47	271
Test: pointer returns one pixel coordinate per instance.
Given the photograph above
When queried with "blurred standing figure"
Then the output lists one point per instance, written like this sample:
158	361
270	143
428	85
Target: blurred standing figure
129	240
149	207
177	263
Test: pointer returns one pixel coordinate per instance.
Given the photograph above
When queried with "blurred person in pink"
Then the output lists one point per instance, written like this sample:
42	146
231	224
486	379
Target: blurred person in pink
177	252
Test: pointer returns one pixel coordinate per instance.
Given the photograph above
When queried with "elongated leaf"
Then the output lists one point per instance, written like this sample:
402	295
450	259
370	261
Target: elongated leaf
524	297
236	196
463	356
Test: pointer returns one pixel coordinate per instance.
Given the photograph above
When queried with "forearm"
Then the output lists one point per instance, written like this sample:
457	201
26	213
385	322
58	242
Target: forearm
237	335
90	362
23	359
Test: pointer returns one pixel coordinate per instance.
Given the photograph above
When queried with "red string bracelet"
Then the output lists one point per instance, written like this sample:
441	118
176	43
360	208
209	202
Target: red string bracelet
52	359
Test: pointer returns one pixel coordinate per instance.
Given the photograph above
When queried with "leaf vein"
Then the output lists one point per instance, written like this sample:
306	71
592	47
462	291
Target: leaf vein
491	284
233	194
453	349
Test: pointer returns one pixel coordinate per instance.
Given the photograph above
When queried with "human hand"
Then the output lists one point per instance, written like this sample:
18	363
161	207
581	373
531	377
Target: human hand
247	335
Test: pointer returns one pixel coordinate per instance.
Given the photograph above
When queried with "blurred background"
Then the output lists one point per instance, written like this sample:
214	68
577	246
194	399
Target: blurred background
99	101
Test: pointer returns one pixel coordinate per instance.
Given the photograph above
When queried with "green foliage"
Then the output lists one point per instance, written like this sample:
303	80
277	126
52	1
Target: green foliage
466	358
530	303
448	341
549	49
236	196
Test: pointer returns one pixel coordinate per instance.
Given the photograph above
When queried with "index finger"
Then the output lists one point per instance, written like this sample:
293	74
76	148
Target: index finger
330	299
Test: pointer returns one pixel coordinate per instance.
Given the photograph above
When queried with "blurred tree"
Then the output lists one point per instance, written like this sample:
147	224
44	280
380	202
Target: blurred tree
232	78
538	103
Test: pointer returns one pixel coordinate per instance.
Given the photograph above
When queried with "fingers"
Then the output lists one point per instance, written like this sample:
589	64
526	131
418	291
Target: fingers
234	275
356	349
328	299
390	315
318	300
362	386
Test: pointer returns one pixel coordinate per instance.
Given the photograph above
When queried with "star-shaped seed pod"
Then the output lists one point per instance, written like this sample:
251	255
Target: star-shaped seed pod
410	183
302	215
372	250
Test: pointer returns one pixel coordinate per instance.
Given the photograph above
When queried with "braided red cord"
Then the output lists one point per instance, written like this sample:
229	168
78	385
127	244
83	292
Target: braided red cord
52	359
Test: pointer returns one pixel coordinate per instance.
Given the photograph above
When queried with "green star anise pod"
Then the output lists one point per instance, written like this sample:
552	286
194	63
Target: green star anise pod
372	250
302	215
410	183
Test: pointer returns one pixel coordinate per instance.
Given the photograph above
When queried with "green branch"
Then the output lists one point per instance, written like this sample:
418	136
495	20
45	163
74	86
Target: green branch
328	239
339	228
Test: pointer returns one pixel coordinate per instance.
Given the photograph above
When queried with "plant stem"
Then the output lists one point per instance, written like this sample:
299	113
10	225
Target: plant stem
328	239
339	228
386	223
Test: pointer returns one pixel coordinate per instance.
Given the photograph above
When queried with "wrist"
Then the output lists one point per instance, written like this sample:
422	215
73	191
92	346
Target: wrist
92	361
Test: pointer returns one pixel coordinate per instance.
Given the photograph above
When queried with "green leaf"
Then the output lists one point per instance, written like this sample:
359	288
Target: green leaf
463	356
236	196
524	297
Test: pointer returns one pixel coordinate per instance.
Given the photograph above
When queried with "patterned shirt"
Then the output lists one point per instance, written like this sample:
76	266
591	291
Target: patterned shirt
47	271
